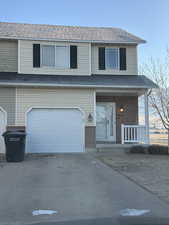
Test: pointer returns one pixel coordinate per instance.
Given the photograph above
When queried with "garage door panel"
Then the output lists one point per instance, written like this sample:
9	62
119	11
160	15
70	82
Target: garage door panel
55	130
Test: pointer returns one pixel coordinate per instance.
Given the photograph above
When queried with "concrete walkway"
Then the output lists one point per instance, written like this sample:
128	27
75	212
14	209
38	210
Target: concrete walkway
76	185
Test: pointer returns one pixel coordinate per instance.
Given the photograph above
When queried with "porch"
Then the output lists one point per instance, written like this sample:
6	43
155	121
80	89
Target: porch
117	118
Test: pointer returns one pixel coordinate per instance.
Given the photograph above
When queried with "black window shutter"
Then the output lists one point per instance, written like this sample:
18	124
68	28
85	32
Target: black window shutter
73	56
36	55
101	58
123	65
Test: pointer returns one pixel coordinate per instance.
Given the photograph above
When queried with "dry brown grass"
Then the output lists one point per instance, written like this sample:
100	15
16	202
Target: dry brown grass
158	139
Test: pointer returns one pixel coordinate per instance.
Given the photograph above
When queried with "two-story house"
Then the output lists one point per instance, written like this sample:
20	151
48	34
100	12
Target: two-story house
70	87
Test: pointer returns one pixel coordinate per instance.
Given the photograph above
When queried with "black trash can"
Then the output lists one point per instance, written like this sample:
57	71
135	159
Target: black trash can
15	145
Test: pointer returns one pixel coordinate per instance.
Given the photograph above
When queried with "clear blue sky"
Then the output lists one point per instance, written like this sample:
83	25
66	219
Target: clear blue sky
148	19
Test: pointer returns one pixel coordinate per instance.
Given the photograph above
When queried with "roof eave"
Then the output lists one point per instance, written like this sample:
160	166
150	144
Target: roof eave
72	40
74	85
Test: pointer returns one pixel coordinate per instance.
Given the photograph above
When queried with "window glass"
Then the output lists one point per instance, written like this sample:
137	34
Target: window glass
48	55
62	56
112	58
55	56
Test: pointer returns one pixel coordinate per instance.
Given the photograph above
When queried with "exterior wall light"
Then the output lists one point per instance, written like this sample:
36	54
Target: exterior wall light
121	109
90	117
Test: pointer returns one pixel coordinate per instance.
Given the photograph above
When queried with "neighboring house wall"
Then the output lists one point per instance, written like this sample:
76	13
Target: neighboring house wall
130	114
26	59
8	56
131	60
31	97
7	102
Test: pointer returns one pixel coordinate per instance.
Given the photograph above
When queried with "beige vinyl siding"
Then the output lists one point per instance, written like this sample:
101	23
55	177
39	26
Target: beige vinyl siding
131	58
8	56
26	59
7	102
29	97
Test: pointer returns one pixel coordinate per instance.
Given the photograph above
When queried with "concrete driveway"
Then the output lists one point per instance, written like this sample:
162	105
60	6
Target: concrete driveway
76	185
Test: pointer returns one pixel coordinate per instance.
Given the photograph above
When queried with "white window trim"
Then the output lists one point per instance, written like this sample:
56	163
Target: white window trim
118	52
54	67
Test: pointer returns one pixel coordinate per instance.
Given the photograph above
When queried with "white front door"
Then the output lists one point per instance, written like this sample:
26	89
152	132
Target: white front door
105	122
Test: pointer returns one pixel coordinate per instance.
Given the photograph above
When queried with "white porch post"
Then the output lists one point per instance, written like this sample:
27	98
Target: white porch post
147	141
122	133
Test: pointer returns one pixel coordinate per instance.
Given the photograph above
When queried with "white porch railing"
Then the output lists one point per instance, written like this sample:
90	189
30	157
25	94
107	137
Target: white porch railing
133	134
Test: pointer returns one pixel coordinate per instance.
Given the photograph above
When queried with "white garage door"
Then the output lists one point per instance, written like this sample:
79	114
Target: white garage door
55	130
2	130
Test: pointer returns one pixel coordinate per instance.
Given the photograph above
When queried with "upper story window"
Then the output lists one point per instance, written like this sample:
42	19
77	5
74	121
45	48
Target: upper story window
55	56
112	58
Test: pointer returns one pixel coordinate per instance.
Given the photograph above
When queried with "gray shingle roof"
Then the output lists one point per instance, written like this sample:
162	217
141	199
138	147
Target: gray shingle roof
64	33
111	81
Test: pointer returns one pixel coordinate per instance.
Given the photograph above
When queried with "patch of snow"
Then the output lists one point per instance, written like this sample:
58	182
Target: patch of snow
96	164
134	212
43	212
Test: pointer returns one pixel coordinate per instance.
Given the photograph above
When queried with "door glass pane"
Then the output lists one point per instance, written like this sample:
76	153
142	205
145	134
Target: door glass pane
105	122
101	122
101	114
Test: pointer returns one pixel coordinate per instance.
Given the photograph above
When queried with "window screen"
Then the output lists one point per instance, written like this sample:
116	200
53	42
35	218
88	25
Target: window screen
62	57
55	56
48	55
112	58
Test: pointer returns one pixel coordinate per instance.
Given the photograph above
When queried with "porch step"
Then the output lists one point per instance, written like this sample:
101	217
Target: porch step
107	145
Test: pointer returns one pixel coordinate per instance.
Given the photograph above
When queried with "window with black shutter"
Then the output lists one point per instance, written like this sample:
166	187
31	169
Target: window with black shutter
101	58
111	58
123	65
36	55
73	56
